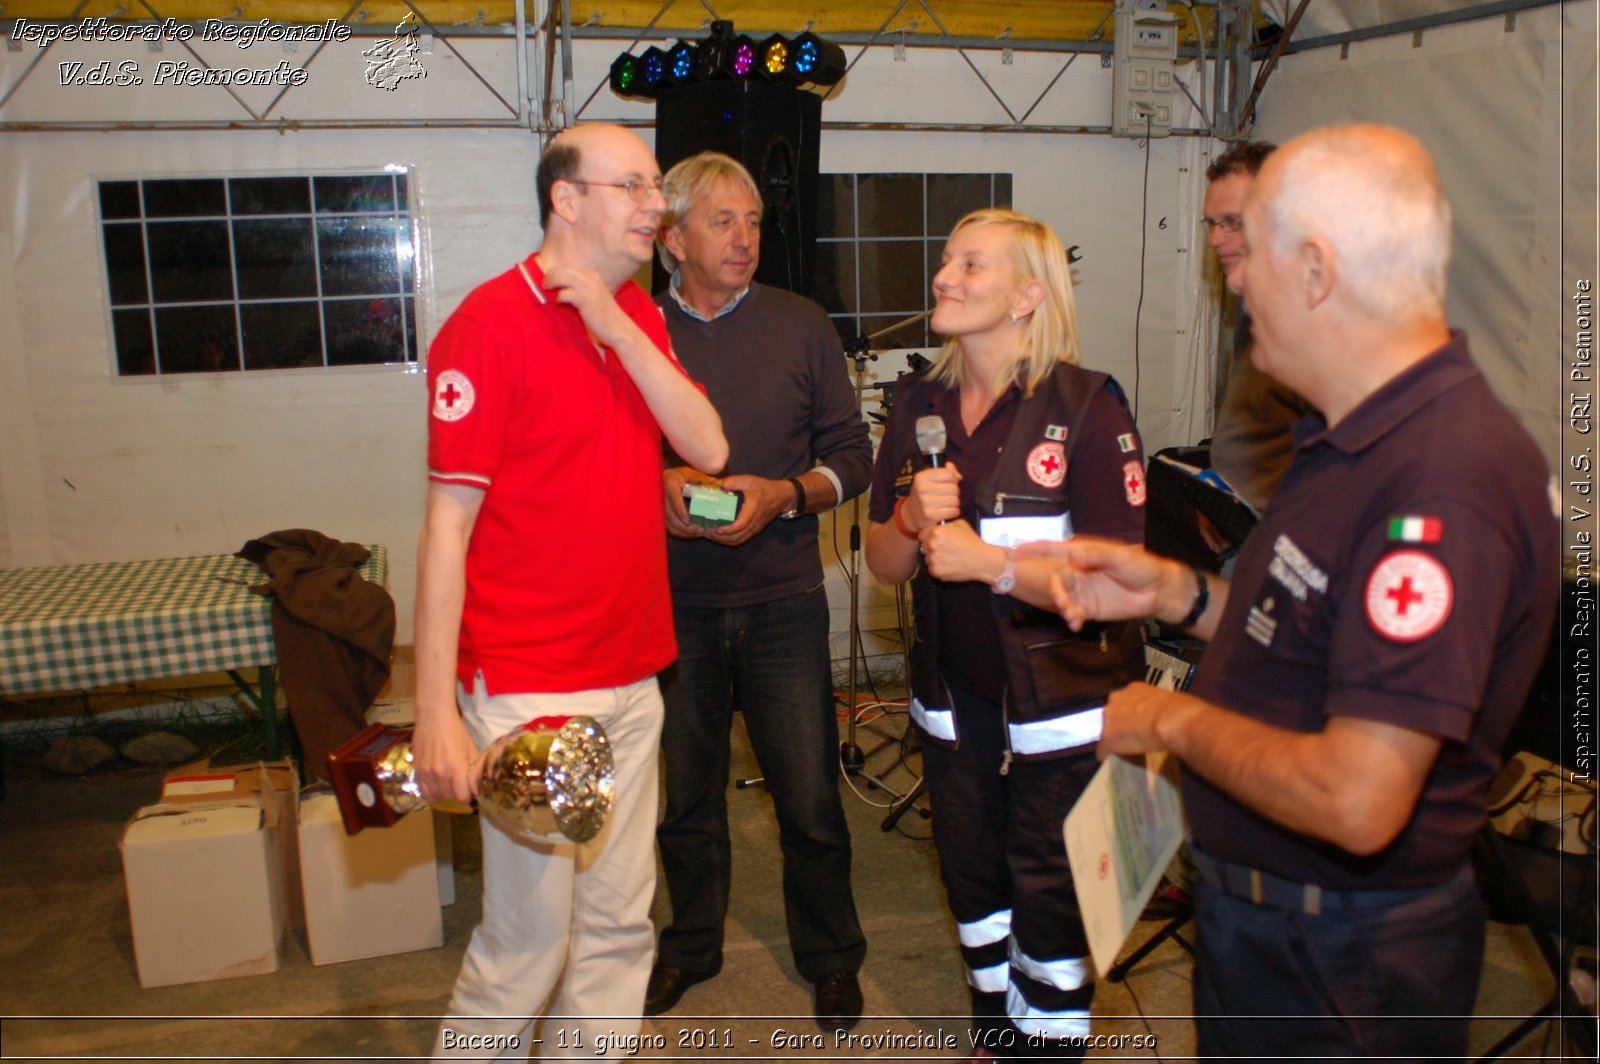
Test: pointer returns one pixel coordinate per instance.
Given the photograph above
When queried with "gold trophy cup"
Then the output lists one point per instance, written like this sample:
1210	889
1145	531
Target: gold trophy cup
551	780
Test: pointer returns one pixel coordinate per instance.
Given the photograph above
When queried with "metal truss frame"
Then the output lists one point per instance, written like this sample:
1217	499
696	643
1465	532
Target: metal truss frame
543	57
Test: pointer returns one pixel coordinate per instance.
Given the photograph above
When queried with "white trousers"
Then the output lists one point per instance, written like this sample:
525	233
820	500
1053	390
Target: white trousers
566	929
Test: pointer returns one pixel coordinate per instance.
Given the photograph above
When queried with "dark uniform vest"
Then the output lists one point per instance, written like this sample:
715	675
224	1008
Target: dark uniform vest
1057	680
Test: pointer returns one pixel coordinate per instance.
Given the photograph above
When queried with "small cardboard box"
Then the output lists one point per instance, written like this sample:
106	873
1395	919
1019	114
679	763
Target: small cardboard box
276	785
205	891
367	895
401	713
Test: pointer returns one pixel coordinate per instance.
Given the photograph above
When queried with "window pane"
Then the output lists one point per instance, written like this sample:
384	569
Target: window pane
189	261
125	264
197	339
270	195
136	354
184	199
836	277
364	332
119	199
892	276
952	197
1002	190
411	330
346	194
402	194
281	335
891	204
276	258
836	209
359	255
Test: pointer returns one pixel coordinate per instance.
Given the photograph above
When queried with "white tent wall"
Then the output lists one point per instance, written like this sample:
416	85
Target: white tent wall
99	468
1508	112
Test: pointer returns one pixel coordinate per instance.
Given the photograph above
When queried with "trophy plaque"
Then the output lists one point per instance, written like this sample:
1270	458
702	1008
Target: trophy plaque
551	780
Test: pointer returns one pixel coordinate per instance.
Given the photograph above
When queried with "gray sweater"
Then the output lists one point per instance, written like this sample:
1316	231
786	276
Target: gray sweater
776	372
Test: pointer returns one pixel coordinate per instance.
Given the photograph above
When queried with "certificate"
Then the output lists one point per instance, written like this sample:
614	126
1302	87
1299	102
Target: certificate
1120	838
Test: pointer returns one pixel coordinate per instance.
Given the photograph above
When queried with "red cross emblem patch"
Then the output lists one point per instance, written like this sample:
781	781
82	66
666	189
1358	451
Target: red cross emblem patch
452	396
1133	483
1047	465
1409	596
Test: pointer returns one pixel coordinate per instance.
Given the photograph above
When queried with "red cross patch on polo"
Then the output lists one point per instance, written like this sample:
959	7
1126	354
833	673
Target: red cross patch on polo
1047	465
1133	483
1409	596
452	396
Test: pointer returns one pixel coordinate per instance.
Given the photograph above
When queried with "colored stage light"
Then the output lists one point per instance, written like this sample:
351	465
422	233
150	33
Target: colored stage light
742	57
653	69
680	62
816	60
775	57
625	79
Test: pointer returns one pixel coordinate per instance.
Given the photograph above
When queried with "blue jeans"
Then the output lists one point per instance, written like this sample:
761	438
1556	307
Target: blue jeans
771	661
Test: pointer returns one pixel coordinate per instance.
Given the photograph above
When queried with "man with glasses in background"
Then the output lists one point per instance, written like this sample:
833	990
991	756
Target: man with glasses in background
542	588
1250	447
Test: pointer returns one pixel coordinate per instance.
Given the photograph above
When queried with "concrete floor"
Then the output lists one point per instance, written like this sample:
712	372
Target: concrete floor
69	988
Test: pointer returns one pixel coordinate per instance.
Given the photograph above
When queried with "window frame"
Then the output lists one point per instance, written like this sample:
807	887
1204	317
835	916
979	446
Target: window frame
402	214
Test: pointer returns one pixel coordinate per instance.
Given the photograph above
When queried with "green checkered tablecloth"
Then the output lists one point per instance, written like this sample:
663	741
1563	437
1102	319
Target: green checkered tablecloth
73	627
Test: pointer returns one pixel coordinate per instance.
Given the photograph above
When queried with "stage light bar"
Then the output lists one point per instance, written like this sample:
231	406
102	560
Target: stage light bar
803	60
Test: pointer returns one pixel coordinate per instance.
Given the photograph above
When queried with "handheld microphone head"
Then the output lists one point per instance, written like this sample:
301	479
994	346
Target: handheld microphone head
931	438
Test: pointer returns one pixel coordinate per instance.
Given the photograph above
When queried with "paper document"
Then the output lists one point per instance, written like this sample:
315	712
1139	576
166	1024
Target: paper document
1120	838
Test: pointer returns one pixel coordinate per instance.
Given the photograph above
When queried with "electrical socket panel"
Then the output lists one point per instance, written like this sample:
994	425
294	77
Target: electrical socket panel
1144	52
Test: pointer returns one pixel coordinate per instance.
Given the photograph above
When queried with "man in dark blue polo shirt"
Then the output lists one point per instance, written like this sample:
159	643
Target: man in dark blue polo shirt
1375	645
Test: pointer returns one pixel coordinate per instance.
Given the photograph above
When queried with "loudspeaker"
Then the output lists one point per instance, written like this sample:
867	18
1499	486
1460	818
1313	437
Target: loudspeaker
774	130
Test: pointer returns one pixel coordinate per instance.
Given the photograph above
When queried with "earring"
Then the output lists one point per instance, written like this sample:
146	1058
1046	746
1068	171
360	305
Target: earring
1013	319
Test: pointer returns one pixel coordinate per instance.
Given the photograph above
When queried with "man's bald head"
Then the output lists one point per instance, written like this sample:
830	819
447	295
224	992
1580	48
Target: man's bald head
1372	193
563	158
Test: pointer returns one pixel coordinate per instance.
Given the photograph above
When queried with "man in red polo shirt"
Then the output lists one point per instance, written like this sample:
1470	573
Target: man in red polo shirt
542	583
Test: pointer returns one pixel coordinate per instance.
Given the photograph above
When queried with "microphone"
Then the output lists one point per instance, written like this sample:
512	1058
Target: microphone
931	438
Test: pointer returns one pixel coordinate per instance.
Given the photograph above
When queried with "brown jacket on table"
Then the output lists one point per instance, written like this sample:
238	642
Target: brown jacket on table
334	633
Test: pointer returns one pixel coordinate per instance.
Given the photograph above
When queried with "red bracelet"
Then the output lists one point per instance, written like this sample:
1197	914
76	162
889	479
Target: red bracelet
900	522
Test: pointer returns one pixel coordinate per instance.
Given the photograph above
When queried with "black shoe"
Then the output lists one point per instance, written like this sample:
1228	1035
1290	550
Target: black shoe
667	985
838	1000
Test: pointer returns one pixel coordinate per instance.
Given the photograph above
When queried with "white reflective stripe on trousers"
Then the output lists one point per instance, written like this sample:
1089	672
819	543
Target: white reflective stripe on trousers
985	930
939	723
1061	733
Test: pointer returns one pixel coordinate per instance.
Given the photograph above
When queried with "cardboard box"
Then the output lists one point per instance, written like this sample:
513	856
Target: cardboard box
401	713
273	784
205	891
367	895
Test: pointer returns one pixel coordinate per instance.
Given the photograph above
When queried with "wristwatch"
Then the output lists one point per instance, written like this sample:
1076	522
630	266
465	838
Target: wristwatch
799	501
1008	576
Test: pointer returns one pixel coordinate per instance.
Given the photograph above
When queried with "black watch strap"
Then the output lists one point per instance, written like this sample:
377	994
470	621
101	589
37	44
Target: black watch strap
799	498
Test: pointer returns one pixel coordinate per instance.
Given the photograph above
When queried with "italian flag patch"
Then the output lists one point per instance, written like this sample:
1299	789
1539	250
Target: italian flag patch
1415	529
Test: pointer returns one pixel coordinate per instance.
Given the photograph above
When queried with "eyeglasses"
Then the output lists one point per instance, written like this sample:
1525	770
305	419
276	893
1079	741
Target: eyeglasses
1228	223
638	191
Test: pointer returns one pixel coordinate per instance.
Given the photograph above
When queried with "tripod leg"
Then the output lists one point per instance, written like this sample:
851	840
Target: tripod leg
1170	929
899	808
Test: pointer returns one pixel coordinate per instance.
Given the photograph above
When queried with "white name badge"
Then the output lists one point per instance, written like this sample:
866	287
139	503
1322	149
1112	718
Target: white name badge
1029	528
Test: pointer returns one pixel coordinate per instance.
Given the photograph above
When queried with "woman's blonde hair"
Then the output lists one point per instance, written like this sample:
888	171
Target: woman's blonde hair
1050	334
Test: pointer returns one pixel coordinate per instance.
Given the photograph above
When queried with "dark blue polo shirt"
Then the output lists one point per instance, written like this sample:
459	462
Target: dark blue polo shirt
1407	571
